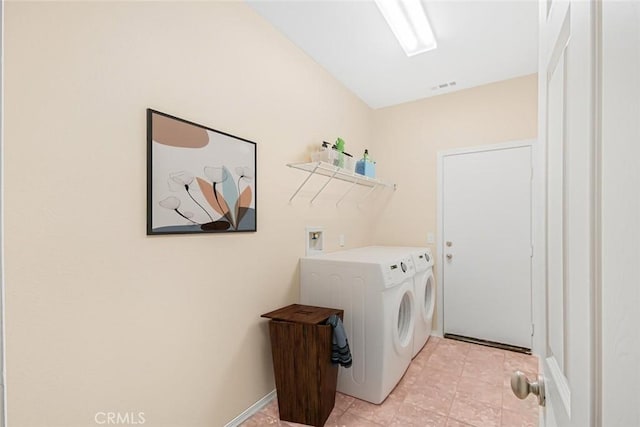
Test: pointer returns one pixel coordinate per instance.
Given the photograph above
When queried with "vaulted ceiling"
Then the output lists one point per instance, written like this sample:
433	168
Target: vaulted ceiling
479	42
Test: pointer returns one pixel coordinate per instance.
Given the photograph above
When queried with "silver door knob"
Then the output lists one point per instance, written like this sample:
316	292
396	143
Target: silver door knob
522	387
449	256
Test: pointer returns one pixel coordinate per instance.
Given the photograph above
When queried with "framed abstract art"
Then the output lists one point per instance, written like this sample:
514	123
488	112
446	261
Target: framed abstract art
199	180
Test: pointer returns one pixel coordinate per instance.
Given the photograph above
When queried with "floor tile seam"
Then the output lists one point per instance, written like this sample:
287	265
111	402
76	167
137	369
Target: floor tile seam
491	378
458	421
519	409
494	366
523	409
452	348
509	425
489	351
474	424
485	383
378	406
490	382
479	401
499	409
484	370
362	418
446	414
485	403
419	408
440	390
447	366
479	361
452	400
455	375
348	406
447	356
522	413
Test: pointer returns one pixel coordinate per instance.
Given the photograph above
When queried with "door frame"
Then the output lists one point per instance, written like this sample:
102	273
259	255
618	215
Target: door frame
537	268
3	366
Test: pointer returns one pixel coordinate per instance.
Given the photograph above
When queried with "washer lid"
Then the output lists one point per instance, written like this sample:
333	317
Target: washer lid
367	255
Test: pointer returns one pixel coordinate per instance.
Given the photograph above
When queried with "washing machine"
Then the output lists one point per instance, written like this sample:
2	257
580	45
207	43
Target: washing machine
376	291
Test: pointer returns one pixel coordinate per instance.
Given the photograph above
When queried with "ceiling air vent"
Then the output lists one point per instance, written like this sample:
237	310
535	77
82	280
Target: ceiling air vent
443	86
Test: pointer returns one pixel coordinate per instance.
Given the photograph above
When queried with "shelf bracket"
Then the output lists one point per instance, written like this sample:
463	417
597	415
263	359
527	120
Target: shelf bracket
355	182
368	193
325	185
295	193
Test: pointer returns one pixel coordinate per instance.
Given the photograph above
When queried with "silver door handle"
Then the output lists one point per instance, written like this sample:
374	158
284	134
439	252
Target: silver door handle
449	256
522	387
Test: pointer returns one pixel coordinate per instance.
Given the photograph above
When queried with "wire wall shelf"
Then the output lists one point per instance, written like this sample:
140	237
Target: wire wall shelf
341	174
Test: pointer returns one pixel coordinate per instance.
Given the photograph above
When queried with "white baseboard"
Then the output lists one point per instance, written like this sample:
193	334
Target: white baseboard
251	410
436	334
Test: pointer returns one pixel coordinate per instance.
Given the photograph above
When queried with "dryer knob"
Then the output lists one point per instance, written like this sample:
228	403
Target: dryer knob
404	267
427	256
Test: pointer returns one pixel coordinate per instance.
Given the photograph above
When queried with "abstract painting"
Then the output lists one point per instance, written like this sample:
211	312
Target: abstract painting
199	180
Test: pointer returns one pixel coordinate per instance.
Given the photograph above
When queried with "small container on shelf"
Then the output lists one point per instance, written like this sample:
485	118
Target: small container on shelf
327	156
366	168
349	164
335	158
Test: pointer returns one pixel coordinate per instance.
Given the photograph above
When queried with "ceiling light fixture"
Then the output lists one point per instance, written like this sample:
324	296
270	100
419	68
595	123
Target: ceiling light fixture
409	24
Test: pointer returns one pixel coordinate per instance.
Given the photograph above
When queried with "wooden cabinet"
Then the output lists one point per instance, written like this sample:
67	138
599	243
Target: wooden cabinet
301	348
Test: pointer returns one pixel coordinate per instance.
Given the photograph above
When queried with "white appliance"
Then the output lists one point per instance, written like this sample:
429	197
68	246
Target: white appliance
375	289
424	290
425	293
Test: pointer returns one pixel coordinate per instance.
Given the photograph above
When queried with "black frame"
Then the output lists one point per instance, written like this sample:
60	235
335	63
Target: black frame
150	231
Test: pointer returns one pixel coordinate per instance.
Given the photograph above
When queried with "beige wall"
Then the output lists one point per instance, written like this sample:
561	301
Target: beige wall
409	136
99	316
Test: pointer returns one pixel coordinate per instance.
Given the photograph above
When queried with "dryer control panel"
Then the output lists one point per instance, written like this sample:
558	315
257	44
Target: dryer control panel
398	272
423	259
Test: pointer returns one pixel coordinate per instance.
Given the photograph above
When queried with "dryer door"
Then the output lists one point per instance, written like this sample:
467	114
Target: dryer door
404	320
428	302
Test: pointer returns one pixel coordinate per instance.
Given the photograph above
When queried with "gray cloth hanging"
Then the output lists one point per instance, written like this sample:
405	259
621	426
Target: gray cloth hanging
340	352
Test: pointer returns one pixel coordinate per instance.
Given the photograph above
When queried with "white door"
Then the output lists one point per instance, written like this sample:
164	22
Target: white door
566	118
486	214
620	214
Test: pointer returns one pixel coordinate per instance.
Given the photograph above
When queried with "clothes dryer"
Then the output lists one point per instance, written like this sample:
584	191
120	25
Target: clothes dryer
376	291
424	288
425	293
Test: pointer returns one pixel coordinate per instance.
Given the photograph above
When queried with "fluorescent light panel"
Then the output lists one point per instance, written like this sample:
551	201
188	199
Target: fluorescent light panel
409	24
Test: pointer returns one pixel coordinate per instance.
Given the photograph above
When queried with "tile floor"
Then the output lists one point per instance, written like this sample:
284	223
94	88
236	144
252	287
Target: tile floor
449	384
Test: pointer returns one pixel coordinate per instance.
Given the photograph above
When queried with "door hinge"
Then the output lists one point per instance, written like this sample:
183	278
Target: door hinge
531	253
533	329
531	174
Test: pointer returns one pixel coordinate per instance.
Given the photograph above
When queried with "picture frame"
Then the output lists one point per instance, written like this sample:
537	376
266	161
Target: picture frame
199	179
